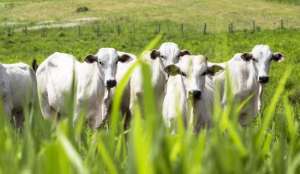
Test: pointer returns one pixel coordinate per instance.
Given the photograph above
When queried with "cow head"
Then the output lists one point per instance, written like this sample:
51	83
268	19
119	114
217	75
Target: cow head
108	59
169	53
193	69
263	56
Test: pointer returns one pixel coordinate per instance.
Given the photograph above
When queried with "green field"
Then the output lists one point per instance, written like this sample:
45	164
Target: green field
217	14
269	145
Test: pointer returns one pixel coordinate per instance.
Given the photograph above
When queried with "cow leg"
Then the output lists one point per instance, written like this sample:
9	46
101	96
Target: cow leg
47	110
18	117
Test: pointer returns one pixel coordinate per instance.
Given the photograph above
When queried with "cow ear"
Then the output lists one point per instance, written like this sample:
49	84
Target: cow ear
154	54
247	56
183	53
34	65
90	59
124	58
278	57
212	70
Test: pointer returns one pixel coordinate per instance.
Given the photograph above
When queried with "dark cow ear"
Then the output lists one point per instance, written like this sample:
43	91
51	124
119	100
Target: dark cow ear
183	53
212	70
124	58
34	65
154	54
90	59
278	57
247	56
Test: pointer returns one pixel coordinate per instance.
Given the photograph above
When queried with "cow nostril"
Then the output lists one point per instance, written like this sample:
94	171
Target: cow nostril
111	83
263	79
196	94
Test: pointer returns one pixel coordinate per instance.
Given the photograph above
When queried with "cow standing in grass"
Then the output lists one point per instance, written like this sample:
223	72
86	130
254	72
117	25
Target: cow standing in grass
60	72
190	80
248	73
17	90
167	55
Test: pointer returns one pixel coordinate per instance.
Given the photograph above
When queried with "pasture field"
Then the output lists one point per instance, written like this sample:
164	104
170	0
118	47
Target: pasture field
269	145
217	14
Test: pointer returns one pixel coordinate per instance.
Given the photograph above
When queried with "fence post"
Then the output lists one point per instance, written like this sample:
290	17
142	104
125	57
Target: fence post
44	32
118	29
230	28
79	30
205	28
25	30
97	29
182	29
281	24
158	28
9	31
253	26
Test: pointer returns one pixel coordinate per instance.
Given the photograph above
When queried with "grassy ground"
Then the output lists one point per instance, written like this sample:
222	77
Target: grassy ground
268	145
217	14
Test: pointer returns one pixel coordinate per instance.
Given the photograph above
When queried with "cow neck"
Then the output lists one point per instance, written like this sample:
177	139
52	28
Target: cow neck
253	72
162	69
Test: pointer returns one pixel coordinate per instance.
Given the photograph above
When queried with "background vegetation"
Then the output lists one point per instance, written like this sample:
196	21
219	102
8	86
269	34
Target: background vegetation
217	14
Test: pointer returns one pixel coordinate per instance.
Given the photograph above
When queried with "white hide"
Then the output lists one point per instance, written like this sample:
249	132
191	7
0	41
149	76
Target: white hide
244	83
55	78
167	54
247	76
179	91
17	89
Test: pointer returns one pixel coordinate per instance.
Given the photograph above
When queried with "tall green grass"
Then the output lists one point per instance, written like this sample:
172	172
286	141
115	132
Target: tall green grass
268	145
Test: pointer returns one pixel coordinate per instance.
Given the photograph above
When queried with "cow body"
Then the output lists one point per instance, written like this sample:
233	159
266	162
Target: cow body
167	55
18	90
192	83
92	79
248	76
56	76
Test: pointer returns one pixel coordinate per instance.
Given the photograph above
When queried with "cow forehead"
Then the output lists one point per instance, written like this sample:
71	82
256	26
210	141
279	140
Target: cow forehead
261	52
169	49
193	62
108	54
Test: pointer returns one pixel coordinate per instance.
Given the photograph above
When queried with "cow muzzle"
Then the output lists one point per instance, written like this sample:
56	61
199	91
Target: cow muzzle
195	94
111	83
172	70
263	79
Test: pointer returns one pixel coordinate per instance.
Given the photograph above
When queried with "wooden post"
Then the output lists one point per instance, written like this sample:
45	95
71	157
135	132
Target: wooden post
205	28
25	30
253	26
118	29
182	29
79	30
97	29
281	24
158	28
44	32
230	28
9	31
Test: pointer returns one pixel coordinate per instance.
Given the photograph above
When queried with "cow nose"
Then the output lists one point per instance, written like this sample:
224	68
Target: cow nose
111	83
263	79
196	94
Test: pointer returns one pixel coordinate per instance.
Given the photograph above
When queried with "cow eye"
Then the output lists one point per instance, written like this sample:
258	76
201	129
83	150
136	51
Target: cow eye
101	63
204	73
163	57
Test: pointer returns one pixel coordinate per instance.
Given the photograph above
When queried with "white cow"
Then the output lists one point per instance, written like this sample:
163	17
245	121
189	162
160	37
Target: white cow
248	73
167	55
122	69
17	90
190	80
55	77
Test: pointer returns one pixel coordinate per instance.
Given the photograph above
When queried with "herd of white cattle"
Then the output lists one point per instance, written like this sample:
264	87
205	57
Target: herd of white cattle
177	78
